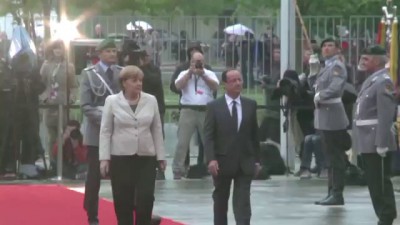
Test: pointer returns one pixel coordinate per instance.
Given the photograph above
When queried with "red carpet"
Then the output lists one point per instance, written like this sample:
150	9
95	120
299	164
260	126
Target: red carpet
49	205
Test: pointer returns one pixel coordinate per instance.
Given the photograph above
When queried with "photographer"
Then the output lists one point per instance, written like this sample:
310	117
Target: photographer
192	48
289	88
74	152
271	122
198	86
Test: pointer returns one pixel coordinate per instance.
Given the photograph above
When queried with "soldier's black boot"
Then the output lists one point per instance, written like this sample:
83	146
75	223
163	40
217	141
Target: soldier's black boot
337	182
385	221
155	220
329	194
334	199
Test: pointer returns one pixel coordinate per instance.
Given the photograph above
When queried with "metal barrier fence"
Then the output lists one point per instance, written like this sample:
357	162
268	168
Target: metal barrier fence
355	31
170	127
176	31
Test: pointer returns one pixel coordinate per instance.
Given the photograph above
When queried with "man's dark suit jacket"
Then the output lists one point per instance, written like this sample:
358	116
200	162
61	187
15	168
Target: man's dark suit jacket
234	150
152	84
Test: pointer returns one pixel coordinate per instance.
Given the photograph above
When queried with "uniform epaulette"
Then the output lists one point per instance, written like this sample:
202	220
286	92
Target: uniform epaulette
89	68
119	67
386	76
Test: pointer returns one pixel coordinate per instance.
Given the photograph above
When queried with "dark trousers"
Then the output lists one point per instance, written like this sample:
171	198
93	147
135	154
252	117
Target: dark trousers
240	201
270	128
133	182
382	197
92	184
247	71
335	160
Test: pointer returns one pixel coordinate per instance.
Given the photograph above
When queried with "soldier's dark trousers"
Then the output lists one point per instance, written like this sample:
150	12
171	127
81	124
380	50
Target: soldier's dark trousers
92	184
335	161
382	197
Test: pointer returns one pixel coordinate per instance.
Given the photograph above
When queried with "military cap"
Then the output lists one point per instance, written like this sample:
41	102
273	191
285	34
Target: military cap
106	43
374	50
330	39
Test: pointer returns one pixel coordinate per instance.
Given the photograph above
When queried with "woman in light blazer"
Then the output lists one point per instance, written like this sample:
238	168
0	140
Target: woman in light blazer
131	148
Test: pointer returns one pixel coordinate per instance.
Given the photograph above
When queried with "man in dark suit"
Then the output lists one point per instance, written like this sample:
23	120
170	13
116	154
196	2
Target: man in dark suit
232	149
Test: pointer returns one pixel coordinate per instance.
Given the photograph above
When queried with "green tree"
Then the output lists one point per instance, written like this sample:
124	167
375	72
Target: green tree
340	7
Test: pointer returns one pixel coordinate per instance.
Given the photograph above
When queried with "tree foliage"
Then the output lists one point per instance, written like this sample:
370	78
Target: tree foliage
344	8
341	7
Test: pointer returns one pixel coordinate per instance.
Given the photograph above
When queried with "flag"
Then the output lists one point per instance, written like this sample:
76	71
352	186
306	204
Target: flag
394	52
381	37
398	56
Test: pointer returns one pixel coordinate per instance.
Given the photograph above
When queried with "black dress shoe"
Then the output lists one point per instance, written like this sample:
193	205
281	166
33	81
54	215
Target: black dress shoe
315	169
380	222
155	220
333	200
319	202
93	220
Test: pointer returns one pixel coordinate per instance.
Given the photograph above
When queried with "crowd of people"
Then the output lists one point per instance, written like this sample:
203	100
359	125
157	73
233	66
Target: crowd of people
122	135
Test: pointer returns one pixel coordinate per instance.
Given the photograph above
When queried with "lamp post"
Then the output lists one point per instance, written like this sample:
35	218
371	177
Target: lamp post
66	31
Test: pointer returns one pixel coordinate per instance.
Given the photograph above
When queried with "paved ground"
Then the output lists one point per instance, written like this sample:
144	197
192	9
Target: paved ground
280	201
283	200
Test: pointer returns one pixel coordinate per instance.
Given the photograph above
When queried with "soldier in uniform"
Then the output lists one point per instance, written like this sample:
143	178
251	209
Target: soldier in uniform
98	82
373	120
330	118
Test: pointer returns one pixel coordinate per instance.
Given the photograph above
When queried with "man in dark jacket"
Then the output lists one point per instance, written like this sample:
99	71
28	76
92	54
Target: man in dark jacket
152	83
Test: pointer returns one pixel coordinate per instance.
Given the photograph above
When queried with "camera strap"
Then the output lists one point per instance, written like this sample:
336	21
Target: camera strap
196	79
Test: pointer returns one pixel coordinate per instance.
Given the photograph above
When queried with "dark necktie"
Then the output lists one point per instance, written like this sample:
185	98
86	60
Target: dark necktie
110	74
234	115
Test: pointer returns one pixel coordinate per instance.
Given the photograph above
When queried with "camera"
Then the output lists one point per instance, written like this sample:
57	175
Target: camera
76	134
288	86
130	53
198	65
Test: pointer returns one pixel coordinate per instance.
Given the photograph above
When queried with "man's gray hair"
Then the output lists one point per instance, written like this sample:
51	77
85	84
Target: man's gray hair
383	59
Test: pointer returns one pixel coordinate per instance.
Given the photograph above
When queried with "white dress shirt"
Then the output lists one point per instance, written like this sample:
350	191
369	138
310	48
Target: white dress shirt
104	66
202	94
229	102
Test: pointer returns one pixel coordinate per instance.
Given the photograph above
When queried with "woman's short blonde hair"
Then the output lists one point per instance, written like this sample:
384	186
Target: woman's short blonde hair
129	72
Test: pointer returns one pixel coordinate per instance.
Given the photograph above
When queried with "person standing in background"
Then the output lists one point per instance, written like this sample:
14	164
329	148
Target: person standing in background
373	122
98	82
59	78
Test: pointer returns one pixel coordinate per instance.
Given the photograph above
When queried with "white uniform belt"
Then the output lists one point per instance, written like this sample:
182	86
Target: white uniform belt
366	122
331	101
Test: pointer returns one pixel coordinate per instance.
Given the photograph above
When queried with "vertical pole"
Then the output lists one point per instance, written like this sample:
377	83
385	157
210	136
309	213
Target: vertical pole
60	142
288	60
